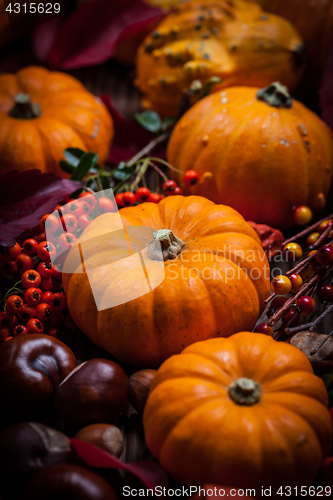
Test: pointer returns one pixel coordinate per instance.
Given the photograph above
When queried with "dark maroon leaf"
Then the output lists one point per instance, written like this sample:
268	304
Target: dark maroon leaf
90	35
271	239
129	138
25	197
150	473
326	92
43	38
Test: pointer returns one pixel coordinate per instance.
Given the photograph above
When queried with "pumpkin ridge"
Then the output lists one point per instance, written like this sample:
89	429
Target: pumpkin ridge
277	428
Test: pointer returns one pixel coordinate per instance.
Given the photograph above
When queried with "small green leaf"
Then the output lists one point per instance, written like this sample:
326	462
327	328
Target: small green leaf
66	167
168	122
73	156
123	172
149	120
209	84
87	161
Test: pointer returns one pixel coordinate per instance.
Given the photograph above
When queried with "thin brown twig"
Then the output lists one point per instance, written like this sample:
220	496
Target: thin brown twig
306	286
314	351
307	231
309	326
149	147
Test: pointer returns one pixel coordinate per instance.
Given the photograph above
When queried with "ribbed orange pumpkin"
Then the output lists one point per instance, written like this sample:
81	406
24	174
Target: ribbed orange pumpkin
42	113
234	40
245	411
258	151
213	286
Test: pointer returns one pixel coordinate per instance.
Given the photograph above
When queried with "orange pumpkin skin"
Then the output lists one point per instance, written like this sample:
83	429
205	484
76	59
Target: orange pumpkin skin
70	117
197	431
233	40
314	21
206	290
259	159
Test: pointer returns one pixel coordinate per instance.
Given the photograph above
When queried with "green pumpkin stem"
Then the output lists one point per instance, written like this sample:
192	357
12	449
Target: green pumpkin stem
245	391
167	243
24	108
275	95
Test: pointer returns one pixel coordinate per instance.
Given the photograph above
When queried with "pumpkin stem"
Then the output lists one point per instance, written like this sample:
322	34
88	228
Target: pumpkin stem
245	391
165	240
24	108
276	95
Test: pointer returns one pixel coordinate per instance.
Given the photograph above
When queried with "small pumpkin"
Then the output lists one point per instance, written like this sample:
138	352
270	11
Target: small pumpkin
234	40
216	277
314	21
257	150
42	113
246	411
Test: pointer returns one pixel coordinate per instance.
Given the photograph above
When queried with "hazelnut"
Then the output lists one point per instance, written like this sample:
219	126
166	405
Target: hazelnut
106	436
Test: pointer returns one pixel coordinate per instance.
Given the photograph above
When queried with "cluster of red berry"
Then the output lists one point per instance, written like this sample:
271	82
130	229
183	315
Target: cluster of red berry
318	260
35	304
143	194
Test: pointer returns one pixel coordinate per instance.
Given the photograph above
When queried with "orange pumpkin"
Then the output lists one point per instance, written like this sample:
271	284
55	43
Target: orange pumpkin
314	21
258	151
234	40
245	411
216	277
42	113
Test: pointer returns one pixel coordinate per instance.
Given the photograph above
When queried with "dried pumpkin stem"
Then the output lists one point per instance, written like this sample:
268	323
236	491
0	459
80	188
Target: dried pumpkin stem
24	108
275	95
245	391
165	244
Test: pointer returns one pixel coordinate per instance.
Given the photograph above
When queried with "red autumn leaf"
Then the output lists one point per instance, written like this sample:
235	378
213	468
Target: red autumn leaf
271	239
326	92
149	472
129	138
25	197
90	35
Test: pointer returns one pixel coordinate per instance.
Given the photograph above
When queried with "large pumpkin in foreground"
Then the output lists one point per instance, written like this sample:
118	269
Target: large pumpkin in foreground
42	113
233	40
256	150
216	277
246	411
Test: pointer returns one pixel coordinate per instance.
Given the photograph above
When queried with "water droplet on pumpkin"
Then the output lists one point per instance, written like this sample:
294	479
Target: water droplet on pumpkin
302	129
205	139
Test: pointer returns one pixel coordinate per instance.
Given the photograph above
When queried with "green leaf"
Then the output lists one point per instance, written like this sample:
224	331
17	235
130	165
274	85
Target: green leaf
149	120
123	172
209	84
105	181
66	167
168	122
87	161
73	156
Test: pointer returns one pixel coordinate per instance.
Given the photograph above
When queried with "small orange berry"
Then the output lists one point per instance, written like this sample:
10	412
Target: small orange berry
296	282
292	252
281	284
312	238
307	272
302	215
324	225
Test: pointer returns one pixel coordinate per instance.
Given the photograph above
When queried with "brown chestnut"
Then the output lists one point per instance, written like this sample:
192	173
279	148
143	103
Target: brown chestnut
68	482
26	448
31	368
106	436
96	391
140	383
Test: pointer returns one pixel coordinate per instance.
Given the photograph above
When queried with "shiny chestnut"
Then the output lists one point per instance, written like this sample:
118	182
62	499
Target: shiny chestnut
68	482
27	447
96	391
31	368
